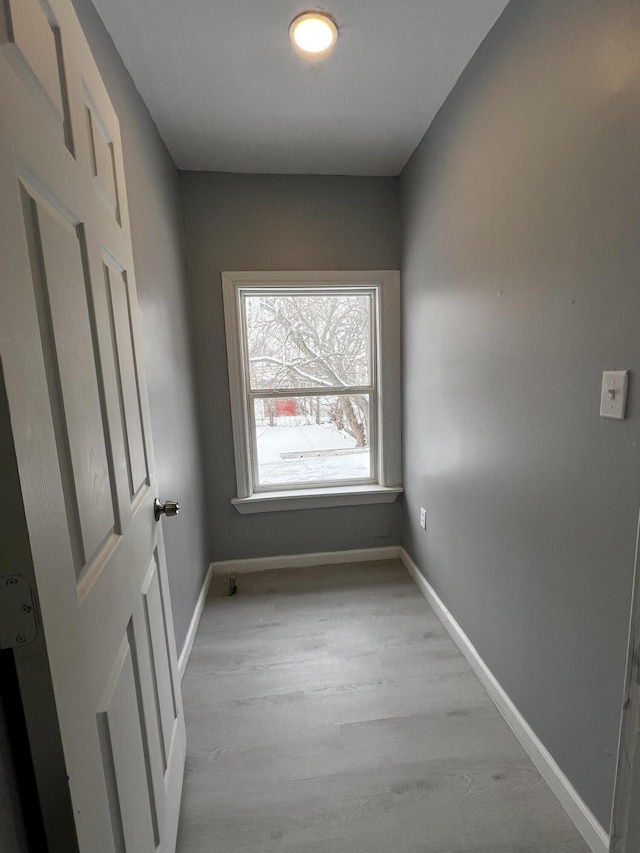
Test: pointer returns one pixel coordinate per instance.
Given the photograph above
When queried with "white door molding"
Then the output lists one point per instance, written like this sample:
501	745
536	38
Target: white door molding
625	824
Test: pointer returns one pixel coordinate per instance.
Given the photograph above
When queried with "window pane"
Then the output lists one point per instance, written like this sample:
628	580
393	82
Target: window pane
300	341
312	439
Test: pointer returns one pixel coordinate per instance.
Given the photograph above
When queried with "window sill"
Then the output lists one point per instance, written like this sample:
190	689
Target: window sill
316	498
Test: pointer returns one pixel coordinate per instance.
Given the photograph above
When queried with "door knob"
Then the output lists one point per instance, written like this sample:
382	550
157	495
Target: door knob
168	508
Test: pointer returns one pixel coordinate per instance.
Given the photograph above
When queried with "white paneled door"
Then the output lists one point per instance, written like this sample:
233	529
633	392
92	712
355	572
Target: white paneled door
71	361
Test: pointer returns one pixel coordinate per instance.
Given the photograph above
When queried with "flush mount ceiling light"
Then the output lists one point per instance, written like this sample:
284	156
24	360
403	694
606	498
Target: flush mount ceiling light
313	33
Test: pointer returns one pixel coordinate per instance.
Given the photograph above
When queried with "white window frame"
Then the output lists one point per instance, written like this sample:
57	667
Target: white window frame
386	430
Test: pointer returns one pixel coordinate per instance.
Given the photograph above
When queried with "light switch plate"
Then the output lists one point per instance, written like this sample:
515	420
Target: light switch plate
613	397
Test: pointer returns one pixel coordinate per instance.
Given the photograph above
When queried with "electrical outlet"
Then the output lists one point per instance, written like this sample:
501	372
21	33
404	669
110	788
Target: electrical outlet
423	518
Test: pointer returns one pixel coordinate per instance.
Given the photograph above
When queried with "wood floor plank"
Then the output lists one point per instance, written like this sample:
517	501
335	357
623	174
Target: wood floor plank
245	768
321	672
328	710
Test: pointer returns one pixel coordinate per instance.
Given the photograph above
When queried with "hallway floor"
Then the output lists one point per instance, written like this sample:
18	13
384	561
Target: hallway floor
328	711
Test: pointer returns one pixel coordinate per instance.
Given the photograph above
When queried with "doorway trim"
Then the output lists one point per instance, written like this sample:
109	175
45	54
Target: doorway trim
625	818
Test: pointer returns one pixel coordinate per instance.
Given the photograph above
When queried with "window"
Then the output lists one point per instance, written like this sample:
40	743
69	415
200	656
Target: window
314	363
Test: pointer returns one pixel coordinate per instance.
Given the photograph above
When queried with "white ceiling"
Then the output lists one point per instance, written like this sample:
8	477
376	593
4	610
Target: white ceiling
228	93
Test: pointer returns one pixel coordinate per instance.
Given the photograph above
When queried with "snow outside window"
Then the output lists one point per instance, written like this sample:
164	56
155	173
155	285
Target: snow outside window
313	363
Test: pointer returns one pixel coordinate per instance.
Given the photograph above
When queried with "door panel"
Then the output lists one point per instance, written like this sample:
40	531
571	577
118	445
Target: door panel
79	413
127	376
29	31
125	760
57	250
102	150
163	686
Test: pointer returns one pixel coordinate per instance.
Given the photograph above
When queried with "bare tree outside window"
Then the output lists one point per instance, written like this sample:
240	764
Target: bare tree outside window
298	343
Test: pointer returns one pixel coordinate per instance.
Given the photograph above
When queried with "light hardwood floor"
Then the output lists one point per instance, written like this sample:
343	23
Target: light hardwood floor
328	711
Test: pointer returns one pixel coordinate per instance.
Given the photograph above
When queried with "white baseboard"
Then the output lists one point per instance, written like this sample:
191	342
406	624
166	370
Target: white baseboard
583	818
300	561
195	621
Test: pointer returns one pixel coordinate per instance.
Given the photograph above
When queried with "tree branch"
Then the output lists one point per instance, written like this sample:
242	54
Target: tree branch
294	367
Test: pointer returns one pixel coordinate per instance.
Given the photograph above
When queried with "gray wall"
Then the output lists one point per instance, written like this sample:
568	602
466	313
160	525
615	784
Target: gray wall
276	222
152	188
521	264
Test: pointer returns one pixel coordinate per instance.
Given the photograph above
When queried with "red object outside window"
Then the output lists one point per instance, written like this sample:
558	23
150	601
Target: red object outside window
285	408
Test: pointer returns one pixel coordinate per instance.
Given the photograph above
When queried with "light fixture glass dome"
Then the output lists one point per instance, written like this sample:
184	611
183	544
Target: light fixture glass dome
313	33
